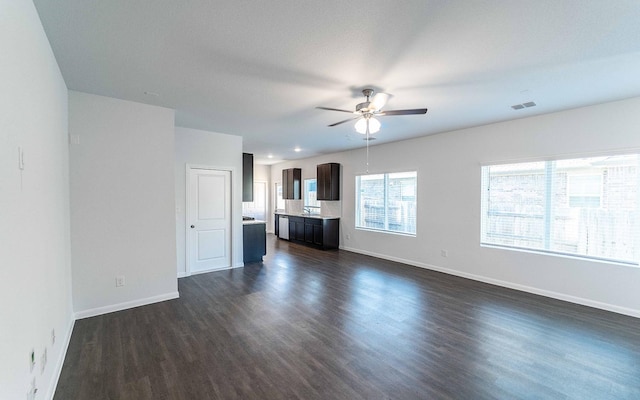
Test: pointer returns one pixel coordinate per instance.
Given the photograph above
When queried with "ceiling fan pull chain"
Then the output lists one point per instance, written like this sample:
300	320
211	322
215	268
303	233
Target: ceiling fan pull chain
367	146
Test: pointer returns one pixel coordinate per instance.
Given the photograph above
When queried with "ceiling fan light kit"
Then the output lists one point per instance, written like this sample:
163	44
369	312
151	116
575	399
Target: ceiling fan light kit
367	123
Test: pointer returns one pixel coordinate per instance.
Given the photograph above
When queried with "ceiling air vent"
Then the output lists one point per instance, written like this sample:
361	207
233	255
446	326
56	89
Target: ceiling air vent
523	105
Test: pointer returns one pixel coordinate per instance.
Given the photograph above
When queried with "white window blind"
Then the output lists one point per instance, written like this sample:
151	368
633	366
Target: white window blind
586	207
387	202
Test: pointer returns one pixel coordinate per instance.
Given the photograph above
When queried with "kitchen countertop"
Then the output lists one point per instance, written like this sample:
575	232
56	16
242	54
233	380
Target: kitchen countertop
305	215
252	222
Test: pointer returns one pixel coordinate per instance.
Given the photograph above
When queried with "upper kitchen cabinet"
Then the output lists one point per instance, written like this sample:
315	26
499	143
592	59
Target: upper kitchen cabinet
247	177
328	176
292	184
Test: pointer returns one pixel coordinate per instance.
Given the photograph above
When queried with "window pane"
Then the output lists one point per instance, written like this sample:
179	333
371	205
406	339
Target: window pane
586	207
515	205
371	201
401	202
595	211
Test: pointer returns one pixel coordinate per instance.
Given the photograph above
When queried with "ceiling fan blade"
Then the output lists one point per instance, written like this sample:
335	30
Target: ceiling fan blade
342	122
379	100
334	109
404	112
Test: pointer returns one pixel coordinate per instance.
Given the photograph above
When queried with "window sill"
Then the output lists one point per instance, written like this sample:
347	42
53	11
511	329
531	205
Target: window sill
385	231
562	255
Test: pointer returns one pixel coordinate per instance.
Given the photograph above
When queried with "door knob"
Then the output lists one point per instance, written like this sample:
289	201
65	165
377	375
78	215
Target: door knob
193	226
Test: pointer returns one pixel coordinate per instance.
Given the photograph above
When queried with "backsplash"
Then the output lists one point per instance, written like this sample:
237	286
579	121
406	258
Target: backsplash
331	208
327	208
293	206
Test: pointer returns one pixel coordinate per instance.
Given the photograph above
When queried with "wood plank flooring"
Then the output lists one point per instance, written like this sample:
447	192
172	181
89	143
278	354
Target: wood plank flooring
311	324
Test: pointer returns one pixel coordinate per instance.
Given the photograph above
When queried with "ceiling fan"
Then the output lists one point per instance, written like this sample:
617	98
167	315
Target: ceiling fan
367	111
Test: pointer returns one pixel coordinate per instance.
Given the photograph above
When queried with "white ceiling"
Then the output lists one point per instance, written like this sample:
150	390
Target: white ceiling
259	68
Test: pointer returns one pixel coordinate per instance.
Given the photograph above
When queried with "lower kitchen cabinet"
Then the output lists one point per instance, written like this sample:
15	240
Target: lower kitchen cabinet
254	241
322	233
296	228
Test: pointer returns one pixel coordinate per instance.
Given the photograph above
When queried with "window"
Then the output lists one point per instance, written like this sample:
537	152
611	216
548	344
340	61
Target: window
311	194
586	207
387	202
280	205
258	207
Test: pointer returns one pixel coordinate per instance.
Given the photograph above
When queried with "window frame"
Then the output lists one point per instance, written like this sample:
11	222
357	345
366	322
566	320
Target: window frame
385	199
305	195
549	209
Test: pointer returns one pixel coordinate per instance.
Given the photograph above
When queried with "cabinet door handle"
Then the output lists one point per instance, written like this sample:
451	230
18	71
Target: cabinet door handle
193	226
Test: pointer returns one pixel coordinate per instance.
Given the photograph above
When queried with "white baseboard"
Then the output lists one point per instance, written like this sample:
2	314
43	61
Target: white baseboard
529	289
126	305
182	274
58	366
206	271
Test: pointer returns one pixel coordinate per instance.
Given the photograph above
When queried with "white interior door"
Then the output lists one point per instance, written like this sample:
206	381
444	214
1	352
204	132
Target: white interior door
208	220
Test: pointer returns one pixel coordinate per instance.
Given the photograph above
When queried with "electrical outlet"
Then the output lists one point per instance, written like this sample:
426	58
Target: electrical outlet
119	280
444	253
53	336
348	237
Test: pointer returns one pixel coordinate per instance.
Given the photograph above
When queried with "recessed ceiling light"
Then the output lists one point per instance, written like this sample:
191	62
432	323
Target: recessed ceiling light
297	150
270	156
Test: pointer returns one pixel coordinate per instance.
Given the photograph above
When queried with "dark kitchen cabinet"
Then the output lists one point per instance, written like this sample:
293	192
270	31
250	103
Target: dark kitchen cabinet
328	178
317	232
296	228
247	177
254	241
292	184
313	231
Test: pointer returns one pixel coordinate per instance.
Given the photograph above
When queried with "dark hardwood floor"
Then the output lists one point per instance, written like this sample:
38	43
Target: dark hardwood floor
311	324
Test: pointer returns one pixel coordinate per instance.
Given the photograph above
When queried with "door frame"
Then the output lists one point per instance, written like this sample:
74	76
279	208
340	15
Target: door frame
232	173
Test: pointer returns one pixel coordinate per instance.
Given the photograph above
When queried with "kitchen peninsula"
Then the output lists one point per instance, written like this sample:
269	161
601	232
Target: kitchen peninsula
254	238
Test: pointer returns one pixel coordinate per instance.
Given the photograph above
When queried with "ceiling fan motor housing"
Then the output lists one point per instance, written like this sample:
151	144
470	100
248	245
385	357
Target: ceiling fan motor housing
364	107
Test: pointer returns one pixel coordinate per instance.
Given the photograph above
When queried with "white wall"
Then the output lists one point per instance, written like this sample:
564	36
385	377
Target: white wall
35	274
122	203
196	147
261	172
448	168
